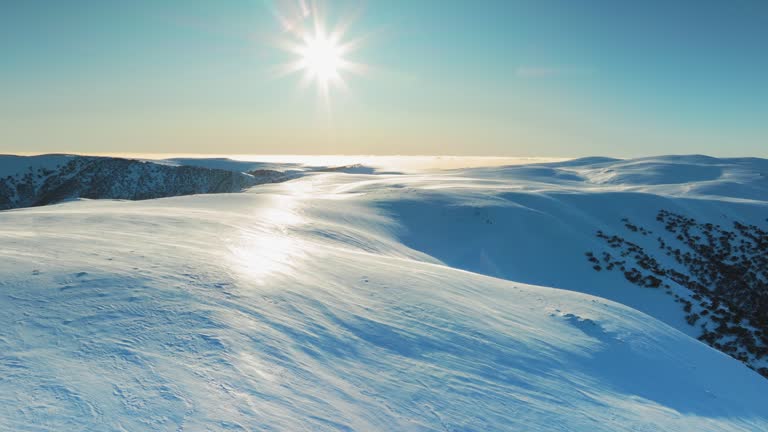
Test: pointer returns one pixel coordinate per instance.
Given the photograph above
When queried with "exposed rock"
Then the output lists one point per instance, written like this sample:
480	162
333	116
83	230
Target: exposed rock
116	178
726	270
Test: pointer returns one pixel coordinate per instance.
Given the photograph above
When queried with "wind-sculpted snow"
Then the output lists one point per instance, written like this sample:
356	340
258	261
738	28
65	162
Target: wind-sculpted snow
534	224
48	179
295	306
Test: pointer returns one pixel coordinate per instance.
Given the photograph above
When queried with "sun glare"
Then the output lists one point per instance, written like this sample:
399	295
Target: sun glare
321	58
321	55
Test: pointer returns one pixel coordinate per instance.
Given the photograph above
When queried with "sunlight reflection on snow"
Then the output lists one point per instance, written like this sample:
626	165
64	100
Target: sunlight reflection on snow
269	248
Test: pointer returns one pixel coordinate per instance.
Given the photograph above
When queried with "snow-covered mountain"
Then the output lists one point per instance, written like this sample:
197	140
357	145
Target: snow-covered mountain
41	180
351	300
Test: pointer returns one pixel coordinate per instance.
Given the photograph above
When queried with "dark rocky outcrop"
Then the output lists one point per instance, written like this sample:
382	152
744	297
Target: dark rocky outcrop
724	268
116	178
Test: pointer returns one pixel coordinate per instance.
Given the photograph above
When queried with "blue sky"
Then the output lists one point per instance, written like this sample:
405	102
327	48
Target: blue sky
513	78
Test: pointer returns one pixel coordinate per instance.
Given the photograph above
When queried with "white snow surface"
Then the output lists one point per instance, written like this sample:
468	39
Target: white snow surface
342	301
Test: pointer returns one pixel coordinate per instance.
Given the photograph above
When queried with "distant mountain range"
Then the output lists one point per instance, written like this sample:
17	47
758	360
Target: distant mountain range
42	180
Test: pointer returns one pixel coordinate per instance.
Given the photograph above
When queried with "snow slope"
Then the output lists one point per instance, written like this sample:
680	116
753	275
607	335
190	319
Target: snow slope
534	223
324	303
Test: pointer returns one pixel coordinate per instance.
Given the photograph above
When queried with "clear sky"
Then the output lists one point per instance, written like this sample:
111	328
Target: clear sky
487	77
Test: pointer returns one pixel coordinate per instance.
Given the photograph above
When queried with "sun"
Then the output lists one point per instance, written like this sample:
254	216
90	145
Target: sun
320	55
321	58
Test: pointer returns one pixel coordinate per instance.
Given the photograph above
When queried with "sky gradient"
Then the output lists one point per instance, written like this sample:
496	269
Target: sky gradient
446	77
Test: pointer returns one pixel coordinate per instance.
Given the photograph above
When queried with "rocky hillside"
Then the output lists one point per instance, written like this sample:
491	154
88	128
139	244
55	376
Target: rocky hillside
42	180
725	268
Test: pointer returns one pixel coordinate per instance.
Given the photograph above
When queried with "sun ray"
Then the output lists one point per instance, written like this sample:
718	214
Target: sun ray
320	51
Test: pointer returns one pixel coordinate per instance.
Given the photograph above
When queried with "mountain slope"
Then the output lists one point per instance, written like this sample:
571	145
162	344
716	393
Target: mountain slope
295	306
41	180
535	223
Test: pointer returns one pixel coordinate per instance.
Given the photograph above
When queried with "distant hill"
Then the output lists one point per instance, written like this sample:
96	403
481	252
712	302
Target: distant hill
41	180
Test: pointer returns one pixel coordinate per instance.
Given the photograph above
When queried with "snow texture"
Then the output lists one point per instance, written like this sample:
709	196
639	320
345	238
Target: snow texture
343	301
